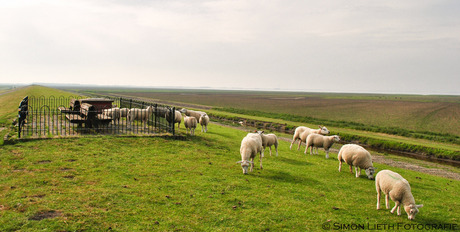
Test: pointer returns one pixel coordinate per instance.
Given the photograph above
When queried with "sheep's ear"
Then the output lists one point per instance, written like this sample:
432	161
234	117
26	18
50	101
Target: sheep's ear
239	162
320	126
253	163
419	206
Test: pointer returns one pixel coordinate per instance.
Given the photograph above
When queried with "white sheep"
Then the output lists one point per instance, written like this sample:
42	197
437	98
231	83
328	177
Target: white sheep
204	121
113	113
397	188
124	112
357	156
177	118
140	114
250	146
190	124
268	140
302	133
192	113
316	140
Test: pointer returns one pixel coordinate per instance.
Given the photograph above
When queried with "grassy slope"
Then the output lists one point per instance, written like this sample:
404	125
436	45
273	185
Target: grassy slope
9	103
193	184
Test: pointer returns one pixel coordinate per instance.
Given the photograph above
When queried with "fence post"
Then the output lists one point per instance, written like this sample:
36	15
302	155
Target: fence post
156	118
172	118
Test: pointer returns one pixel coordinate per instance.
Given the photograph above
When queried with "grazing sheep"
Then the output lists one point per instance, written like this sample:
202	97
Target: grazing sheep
190	123
302	133
124	112
357	156
397	188
113	113
316	140
160	111
268	140
204	121
250	146
139	114
177	118
193	113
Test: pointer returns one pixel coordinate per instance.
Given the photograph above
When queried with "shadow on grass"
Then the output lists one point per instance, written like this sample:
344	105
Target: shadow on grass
294	162
285	177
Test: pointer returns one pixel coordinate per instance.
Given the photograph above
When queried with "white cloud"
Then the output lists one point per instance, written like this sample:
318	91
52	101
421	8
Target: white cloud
257	44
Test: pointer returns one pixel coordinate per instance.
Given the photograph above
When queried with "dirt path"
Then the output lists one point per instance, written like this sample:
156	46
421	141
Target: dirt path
418	165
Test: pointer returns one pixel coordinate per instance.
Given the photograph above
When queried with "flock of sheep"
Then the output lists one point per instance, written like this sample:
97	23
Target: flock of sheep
392	184
191	117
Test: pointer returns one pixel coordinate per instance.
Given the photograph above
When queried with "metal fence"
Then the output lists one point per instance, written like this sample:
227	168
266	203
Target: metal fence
69	116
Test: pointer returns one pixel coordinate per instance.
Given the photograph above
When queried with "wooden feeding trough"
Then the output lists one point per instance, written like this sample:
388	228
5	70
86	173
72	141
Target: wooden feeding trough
88	111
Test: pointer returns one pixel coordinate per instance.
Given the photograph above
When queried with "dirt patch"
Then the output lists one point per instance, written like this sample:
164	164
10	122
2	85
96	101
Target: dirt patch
43	161
415	167
45	215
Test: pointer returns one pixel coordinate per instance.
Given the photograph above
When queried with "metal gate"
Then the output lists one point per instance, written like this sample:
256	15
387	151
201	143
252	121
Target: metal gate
69	116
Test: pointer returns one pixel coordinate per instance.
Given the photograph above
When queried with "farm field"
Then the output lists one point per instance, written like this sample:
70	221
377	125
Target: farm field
425	143
192	183
440	114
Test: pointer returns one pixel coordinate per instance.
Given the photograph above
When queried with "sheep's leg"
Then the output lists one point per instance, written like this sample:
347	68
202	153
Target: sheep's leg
399	210
394	208
202	129
252	164
276	149
205	128
270	149
340	165
387	200
358	171
261	156
292	143
378	197
327	154
300	143
351	170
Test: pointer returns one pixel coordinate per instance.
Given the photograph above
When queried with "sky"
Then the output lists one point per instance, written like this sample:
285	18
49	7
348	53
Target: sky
368	46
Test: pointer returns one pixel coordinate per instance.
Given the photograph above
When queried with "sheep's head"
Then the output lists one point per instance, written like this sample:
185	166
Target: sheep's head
336	138
245	165
324	130
370	173
412	210
259	132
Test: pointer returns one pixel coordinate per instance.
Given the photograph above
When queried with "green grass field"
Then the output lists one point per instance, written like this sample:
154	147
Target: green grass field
145	184
103	183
